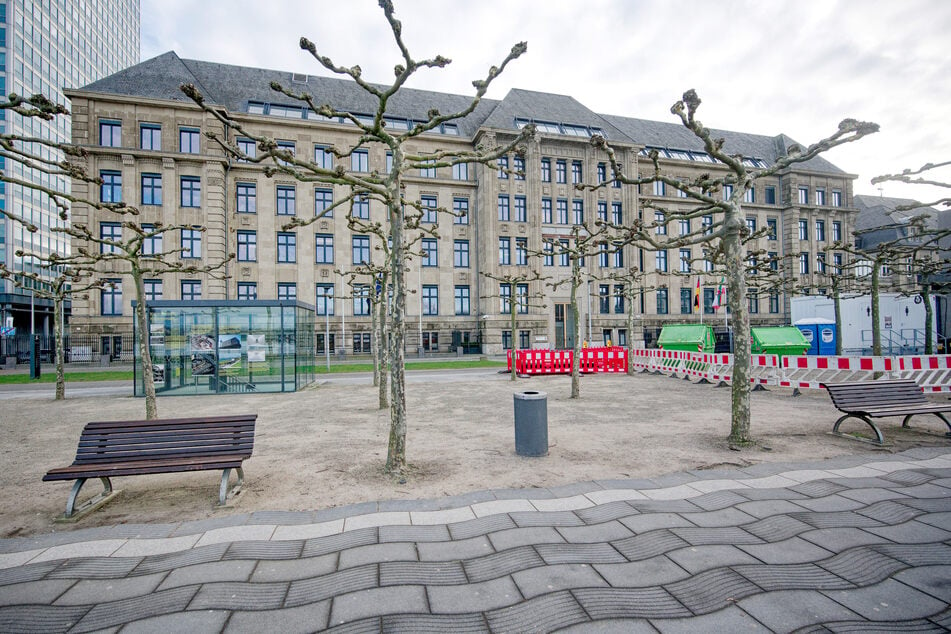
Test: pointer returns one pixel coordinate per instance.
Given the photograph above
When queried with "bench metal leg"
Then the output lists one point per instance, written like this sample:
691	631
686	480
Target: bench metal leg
71	502
878	433
223	490
904	423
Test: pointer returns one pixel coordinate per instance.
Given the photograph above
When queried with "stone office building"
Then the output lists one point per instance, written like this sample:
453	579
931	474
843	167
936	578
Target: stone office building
146	140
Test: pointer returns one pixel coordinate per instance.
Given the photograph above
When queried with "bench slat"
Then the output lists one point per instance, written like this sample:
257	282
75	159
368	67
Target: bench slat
130	424
143	467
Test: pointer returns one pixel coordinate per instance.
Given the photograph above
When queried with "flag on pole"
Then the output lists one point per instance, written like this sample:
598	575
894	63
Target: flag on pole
719	297
696	297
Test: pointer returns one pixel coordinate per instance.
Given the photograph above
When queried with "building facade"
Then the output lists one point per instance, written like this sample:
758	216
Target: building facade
46	47
146	139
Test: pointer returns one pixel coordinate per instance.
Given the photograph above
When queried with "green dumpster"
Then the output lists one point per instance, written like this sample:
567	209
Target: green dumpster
688	337
786	341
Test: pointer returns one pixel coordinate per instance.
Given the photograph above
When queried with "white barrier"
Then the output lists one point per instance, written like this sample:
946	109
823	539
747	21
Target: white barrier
933	373
809	372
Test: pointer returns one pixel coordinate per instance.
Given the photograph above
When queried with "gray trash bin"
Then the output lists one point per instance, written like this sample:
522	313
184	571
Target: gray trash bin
531	423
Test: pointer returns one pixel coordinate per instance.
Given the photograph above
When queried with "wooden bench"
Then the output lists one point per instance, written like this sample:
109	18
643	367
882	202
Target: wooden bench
172	445
880	399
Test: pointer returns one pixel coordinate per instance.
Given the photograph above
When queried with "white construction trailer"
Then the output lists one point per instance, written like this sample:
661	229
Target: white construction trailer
902	321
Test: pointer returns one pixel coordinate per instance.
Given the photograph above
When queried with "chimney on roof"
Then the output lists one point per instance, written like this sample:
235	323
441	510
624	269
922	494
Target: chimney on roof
299	78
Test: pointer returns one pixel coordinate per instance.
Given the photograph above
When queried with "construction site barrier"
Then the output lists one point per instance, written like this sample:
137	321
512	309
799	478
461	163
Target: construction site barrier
592	360
809	372
933	373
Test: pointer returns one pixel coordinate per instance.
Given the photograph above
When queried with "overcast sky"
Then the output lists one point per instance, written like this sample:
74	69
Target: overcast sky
782	66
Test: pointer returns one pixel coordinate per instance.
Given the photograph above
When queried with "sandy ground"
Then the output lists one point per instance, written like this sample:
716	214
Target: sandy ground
325	446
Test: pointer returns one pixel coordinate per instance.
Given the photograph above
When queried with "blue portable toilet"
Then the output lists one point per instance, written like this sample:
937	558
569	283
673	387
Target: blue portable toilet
820	333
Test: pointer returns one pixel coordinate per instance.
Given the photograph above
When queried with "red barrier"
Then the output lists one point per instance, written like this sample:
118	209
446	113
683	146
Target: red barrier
559	361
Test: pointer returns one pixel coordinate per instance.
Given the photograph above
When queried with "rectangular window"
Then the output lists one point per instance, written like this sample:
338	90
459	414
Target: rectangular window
460	254
836	198
150	136
546	170
503	163
188	140
660	261
191	191
361	300
427	171
110	133
770	195
110	298
286	200
151	189
505	251
503	207
708	294
751	224
248	148
460	171
577	209
286	247
727	192
247	291
820	197
111	189
518	164
561	206
602	211
661	296
323	157
430	299
565	256
506	339
361	207
803	195
153	290
660	223
360	161
430	254
521	251
618	256
660	188
191	243
325	300
191	290
753	301
521	298
247	198
803	263
431	339
521	214
619	299
505	298
546	211
361	249
602	173
323	200
604	299
287	291
707	223
549	254
683	226
773	258
561	171
821	263
617	214
325	248
803	229
361	343
686	301
685	260
836	231
151	245
576	177
837	264
774	302
286	146
429	204
749	196
111	231
771	226
460	209
247	246
820	230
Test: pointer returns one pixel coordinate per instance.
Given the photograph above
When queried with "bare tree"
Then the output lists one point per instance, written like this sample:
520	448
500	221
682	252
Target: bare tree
513	301
631	283
386	187
723	195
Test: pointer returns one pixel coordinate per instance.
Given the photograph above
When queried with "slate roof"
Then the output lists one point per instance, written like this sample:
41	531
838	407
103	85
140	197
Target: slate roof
880	211
234	86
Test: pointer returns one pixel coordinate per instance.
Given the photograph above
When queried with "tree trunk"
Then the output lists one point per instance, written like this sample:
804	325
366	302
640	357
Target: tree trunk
375	343
382	344
837	304
630	331
876	325
576	357
929	318
58	345
513	308
736	285
396	451
145	353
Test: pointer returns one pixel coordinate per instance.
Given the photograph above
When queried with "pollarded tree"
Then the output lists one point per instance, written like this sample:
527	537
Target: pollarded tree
90	251
386	187
631	280
723	194
515	296
367	283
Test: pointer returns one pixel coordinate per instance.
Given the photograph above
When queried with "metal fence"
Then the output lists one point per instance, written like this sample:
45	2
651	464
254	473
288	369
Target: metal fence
88	349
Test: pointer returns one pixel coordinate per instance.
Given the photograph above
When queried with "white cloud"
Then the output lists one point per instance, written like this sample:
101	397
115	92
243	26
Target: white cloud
794	66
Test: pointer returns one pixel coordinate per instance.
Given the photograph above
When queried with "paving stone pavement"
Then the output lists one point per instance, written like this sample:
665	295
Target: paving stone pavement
858	543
